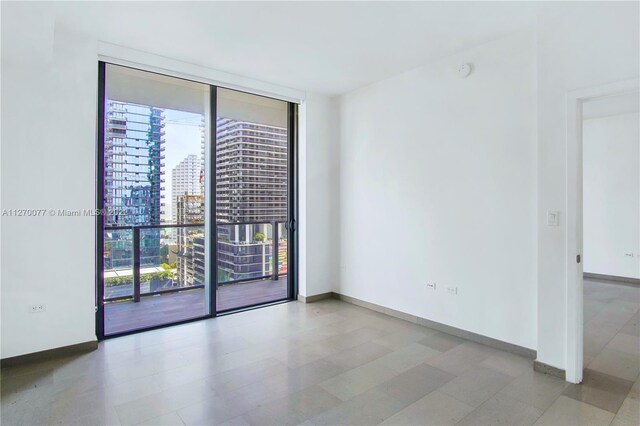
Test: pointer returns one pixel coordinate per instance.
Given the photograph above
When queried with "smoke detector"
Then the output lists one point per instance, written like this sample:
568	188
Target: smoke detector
464	70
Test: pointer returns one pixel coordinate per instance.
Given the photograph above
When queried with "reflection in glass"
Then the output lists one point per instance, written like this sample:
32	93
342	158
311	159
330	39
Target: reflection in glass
118	264
154	149
251	199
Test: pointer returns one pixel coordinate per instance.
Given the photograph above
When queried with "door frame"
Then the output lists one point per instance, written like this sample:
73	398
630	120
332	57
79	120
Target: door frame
292	205
574	232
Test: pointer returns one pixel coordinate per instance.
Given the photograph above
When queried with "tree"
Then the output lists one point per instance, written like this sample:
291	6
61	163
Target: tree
164	253
259	237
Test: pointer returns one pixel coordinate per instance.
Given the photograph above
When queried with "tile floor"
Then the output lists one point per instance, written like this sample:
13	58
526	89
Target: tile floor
330	363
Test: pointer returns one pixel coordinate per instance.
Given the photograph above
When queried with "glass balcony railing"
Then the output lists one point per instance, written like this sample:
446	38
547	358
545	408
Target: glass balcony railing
152	259
246	251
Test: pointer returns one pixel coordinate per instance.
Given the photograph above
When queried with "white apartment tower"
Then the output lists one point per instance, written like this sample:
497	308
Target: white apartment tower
185	180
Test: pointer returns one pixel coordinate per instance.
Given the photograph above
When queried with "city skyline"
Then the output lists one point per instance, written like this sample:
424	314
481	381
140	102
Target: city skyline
185	137
251	186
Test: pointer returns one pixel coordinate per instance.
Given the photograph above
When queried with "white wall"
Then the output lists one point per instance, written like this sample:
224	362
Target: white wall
438	184
318	202
49	97
48	162
579	45
611	203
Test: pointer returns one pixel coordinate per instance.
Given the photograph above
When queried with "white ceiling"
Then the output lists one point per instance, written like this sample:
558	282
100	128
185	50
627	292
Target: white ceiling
323	47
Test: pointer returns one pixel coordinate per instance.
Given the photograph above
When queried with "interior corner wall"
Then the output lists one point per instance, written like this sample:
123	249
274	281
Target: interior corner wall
579	45
318	202
438	185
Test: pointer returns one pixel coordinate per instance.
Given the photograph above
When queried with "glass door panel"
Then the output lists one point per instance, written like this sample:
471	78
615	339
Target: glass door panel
252	199
154	186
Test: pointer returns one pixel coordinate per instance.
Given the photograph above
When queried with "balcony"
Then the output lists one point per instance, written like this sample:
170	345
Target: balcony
154	274
189	303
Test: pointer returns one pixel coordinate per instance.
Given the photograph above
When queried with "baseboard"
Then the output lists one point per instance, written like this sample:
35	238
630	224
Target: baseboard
315	297
541	367
49	354
458	332
624	280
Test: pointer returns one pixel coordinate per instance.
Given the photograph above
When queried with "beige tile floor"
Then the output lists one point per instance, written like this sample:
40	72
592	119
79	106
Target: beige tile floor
330	363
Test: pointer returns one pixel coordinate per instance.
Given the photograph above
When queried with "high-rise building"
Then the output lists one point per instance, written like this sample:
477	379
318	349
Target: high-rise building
251	172
251	186
185	180
133	176
189	210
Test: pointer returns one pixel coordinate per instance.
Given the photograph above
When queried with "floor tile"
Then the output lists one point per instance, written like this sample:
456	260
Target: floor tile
164	402
329	363
441	341
293	409
536	389
615	363
600	390
461	358
369	408
413	384
358	380
212	410
632	327
435	408
635	389
406	358
405	337
358	355
568	411
171	419
625	343
508	363
629	413
476	386
311	374
253	395
502	410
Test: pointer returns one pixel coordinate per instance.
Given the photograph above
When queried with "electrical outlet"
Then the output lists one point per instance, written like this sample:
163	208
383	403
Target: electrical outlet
431	286
34	309
452	290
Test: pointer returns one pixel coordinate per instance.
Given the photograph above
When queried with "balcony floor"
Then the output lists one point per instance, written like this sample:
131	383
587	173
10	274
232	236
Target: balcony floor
173	307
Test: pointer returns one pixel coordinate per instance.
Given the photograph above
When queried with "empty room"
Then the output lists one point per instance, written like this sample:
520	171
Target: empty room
319	213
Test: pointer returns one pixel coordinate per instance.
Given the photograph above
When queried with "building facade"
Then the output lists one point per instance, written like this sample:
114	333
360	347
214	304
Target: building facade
189	210
251	172
185	180
251	188
133	179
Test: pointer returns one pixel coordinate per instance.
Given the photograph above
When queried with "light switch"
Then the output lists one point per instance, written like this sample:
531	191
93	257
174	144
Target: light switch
553	218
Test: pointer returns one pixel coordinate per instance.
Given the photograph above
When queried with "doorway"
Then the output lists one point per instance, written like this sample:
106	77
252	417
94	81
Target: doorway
197	187
611	239
580	104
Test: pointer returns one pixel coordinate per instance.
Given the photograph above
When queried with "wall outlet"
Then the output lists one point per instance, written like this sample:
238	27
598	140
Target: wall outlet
452	290
34	309
553	218
431	286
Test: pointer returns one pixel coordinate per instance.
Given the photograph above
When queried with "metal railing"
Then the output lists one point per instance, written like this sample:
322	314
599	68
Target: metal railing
136	263
136	259
274	251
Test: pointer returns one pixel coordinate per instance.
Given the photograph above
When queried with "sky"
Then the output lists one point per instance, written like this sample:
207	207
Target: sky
182	138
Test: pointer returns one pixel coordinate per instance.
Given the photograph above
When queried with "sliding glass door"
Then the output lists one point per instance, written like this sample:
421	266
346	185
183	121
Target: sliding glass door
196	186
252	199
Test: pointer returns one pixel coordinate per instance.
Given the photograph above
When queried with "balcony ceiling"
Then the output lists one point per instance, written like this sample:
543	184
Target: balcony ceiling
329	48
